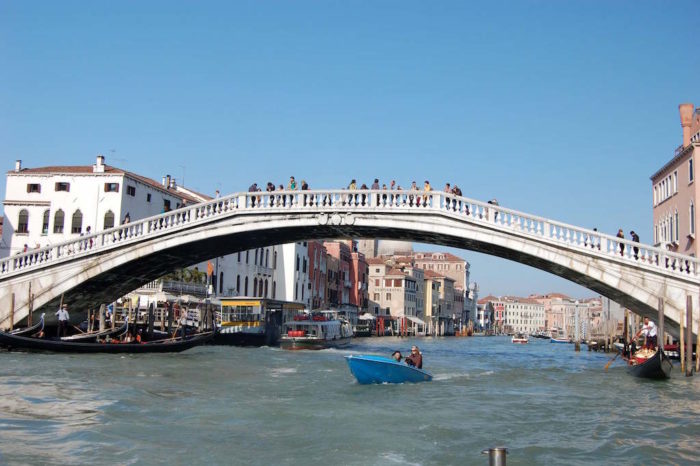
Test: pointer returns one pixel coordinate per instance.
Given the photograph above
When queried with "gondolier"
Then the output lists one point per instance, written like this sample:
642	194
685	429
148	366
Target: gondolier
649	331
63	317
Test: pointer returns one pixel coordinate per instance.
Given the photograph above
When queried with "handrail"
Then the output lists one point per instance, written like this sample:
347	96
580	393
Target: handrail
340	200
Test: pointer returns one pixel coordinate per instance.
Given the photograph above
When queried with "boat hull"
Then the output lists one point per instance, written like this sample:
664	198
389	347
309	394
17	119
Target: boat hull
301	343
369	369
13	342
657	367
560	340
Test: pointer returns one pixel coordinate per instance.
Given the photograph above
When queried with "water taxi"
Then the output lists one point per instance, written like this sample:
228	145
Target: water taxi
315	331
519	338
251	321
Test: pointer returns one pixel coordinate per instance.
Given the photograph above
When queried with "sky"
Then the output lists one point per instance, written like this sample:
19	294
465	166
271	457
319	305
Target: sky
559	109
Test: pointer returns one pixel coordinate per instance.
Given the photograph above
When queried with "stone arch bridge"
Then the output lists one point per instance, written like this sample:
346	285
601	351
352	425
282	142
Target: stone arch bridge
108	264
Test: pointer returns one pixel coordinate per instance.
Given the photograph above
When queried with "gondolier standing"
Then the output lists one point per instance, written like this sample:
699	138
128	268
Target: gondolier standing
649	331
63	317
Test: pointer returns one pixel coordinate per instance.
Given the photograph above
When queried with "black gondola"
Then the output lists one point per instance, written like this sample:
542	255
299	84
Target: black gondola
171	345
34	329
656	367
93	336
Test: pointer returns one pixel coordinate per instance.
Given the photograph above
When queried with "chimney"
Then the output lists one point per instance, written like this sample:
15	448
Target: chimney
99	166
18	165
167	181
163	182
686	111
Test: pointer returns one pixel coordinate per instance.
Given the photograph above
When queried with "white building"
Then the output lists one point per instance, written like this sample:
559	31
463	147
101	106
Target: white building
521	314
48	205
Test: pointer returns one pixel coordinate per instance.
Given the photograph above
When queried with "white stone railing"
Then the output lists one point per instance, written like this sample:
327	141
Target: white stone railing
329	201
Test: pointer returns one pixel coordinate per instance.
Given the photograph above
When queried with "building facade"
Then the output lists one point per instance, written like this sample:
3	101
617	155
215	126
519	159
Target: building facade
675	193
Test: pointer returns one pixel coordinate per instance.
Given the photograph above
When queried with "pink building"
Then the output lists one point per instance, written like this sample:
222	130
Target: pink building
674	192
318	275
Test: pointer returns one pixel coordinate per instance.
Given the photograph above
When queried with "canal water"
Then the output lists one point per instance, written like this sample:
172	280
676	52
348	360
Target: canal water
225	405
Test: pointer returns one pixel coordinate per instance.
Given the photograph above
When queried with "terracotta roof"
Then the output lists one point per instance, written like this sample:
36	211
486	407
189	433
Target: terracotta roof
447	257
375	261
488	299
557	295
427	273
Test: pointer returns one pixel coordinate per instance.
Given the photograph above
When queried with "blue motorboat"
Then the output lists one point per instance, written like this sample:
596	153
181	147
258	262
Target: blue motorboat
379	369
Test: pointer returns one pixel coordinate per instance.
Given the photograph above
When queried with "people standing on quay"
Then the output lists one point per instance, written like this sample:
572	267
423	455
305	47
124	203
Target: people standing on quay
635	249
621	235
63	318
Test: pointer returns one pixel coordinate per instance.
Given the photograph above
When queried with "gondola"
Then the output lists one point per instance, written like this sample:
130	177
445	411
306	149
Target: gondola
170	345
657	367
34	329
93	336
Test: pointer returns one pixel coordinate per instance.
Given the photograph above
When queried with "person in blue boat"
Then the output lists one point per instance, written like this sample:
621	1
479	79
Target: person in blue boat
396	355
415	359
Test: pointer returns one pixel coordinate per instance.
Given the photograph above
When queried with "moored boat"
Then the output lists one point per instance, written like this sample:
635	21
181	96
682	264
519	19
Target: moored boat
519	338
560	340
94	336
369	369
169	345
32	330
655	366
315	331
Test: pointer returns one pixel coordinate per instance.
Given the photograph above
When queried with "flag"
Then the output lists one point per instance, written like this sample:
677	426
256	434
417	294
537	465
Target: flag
210	269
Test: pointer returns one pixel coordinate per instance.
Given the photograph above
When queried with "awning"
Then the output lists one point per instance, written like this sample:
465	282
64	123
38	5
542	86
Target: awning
415	320
367	316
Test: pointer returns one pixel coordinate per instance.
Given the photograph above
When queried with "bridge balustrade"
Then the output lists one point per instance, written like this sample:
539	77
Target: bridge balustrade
496	217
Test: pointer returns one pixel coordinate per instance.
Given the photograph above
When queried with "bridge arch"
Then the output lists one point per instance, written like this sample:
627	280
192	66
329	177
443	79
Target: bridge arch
128	256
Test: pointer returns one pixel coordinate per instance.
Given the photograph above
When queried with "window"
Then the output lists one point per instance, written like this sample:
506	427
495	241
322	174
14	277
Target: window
677	225
388	296
692	218
131	190
239	256
256	257
266	288
166	205
376	296
58	219
45	223
33	188
148	197
238	284
108	220
691	175
246	287
77	222
397	283
675	181
23	221
297	263
247	257
267	263
221	282
62	187
376	282
274	289
304	266
274	263
255	285
656	195
111	187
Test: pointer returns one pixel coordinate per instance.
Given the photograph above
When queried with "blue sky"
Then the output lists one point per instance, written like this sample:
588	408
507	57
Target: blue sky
561	109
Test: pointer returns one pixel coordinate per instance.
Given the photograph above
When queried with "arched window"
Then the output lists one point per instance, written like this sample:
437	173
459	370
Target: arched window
45	223
267	258
23	221
274	288
247	256
109	220
266	288
58	219
274	260
77	222
692	218
246	287
238	284
255	286
221	282
260	288
675	214
256	257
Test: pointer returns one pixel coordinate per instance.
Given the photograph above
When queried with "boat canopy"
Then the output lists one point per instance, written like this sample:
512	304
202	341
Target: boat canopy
415	320
367	316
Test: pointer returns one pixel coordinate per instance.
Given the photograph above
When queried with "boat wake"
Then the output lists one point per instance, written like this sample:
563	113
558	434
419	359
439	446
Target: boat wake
463	375
282	371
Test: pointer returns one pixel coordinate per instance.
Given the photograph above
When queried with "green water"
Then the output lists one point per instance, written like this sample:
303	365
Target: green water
225	405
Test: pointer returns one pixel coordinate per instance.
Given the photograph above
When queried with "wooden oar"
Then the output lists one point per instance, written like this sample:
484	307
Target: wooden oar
610	362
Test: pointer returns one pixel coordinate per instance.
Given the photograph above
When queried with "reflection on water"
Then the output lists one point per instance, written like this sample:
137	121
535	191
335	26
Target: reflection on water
224	405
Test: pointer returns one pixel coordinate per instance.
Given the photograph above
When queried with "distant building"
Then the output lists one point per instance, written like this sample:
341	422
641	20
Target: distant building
514	314
674	192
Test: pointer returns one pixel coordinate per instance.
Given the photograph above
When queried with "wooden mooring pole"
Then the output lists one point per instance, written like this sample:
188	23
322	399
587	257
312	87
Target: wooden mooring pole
689	343
29	306
660	337
681	339
12	312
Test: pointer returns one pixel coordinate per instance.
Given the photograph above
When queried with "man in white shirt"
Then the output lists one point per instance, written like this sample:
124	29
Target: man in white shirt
63	317
649	331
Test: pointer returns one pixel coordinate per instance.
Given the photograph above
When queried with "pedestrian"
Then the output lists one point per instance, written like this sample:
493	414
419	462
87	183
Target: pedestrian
305	187
364	196
494	201
292	185
426	190
635	249
252	189
217	194
281	199
458	193
384	188
88	232
63	318
127	219
621	235
447	190
414	187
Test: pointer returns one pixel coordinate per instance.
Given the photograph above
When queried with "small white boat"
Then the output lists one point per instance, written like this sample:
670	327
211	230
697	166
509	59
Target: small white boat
315	331
520	338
